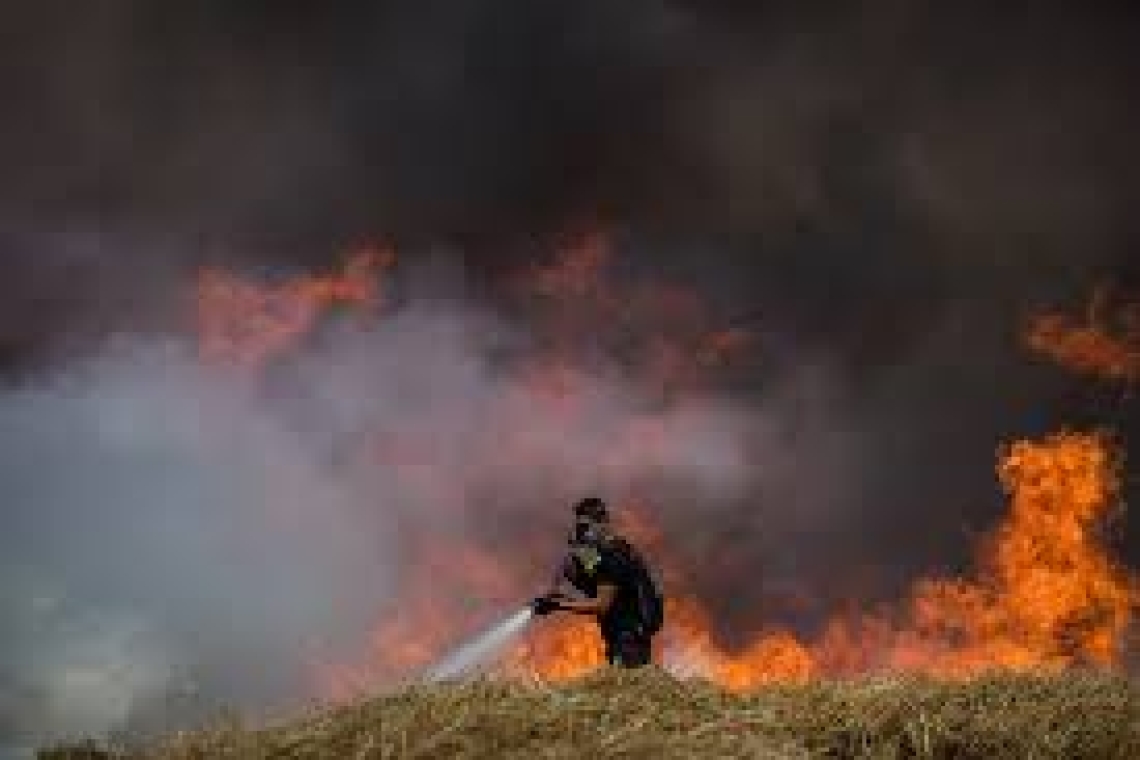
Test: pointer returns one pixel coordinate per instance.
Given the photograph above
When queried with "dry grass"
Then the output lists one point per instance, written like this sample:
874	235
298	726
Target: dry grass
648	714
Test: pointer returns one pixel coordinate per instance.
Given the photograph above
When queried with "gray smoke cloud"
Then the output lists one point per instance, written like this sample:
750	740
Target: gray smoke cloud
166	537
883	190
982	133
180	538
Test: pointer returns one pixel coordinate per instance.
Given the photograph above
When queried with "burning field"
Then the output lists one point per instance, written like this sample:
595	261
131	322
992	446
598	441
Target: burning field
1045	593
316	319
417	460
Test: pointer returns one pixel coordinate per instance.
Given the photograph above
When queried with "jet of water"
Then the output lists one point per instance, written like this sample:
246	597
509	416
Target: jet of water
481	648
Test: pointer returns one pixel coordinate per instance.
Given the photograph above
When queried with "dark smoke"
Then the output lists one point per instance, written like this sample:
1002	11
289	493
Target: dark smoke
882	192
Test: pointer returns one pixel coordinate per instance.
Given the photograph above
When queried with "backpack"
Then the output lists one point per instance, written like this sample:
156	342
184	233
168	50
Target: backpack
649	600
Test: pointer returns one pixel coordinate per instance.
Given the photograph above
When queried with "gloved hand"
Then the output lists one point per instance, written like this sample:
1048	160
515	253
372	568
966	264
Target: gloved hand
544	605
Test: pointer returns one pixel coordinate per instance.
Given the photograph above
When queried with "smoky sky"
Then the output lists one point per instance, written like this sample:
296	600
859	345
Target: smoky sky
303	122
879	181
881	192
877	160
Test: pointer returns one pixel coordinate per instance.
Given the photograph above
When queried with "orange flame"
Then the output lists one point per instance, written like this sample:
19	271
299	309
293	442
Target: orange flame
1046	593
246	324
1091	346
1049	594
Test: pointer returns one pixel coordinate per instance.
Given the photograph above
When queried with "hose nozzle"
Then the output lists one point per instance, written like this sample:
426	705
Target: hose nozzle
544	605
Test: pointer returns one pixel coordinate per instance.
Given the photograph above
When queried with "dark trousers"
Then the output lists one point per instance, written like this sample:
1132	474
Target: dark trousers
628	649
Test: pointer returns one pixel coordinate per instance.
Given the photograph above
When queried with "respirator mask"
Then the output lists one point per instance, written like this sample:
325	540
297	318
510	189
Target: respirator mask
584	533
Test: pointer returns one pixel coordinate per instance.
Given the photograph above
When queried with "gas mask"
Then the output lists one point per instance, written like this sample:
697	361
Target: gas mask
584	541
584	533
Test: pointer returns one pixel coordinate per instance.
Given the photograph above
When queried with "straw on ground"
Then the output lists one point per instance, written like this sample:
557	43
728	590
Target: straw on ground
649	714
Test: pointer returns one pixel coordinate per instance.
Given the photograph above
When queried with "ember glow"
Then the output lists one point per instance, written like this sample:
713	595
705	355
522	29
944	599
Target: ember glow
248	324
1096	346
1045	592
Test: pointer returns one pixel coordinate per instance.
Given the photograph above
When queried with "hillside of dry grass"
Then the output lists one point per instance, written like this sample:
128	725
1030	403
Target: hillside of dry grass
649	714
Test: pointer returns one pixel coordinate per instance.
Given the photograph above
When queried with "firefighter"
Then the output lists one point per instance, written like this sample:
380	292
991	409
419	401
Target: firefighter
605	576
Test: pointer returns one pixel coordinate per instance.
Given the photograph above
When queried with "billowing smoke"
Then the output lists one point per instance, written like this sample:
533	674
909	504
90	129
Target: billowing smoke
167	538
184	536
878	194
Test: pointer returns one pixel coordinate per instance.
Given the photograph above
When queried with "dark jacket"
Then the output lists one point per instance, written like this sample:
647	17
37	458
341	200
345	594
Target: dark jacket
607	562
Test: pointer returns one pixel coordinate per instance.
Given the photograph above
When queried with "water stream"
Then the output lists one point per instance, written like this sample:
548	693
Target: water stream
481	648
